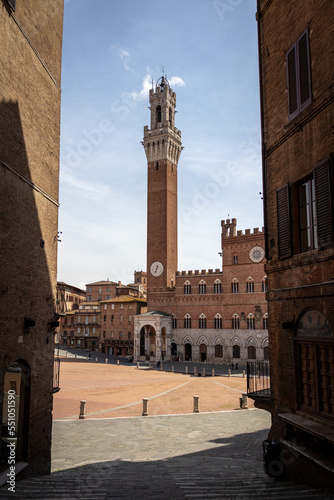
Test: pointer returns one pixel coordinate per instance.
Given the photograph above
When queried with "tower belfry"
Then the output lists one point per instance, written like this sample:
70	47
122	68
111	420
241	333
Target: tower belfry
162	143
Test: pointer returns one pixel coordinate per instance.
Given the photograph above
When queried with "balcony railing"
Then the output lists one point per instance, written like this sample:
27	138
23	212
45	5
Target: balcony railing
56	375
258	378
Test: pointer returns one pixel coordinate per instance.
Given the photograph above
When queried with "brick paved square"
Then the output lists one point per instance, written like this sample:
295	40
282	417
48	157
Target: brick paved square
117	391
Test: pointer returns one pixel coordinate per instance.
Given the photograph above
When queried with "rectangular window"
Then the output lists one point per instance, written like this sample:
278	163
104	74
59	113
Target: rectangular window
299	76
89	298
314	211
112	306
108	297
307	216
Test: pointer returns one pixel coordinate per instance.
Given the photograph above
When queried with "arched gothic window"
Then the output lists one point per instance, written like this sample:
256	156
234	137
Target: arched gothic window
235	286
187	321
174	321
235	259
202	288
264	284
265	322
202	321
217	287
218	351
235	322
187	288
251	352
236	351
250	285
251	322
218	322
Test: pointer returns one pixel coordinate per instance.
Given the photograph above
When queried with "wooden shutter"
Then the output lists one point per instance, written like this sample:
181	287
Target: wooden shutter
304	70
292	80
283	222
324	203
12	4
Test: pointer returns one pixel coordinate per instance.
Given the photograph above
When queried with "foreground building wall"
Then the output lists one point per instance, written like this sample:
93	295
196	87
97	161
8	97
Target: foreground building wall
31	44
296	78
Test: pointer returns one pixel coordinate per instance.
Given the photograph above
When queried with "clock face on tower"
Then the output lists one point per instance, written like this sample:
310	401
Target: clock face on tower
256	254
156	268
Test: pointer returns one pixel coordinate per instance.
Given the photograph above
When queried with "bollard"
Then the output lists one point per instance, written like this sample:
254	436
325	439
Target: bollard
203	372
66	354
243	373
160	366
196	404
244	402
96	359
194	370
118	362
137	365
106	360
75	356
186	370
82	409
229	372
213	372
145	407
173	368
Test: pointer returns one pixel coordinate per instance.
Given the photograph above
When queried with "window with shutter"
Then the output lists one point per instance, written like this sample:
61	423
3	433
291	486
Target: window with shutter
283	222
299	75
323	179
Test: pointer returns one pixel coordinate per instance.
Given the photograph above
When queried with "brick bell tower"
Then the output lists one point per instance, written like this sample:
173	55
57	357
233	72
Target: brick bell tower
162	145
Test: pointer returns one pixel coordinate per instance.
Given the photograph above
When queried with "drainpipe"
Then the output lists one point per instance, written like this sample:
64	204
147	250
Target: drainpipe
263	145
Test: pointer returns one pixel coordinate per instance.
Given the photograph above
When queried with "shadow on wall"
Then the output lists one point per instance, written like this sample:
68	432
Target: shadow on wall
28	222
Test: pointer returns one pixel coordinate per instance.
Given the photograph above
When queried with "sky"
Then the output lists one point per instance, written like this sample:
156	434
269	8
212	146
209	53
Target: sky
112	50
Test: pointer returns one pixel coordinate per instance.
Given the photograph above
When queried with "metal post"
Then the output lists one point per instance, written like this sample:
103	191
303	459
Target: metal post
244	401
196	404
145	407
82	409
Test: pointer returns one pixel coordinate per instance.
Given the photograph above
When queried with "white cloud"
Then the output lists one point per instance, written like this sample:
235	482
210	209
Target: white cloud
144	91
125	58
175	81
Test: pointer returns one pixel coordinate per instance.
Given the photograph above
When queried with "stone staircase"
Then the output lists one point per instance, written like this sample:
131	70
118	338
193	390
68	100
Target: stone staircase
171	479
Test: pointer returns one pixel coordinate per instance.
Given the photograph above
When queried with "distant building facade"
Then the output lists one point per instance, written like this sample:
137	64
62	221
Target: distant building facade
31	39
219	316
102	320
297	95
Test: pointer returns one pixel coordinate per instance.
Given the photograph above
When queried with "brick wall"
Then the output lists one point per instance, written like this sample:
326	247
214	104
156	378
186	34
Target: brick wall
29	162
